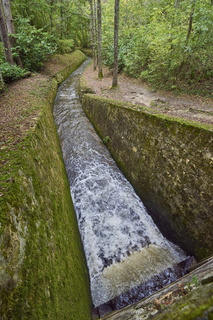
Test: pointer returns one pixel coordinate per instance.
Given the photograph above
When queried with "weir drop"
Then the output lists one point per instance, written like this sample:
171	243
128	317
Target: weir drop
123	246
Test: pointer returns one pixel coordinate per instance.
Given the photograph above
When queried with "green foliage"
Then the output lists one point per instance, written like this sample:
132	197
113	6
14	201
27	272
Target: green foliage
78	26
11	72
156	41
36	11
106	139
64	19
65	46
34	45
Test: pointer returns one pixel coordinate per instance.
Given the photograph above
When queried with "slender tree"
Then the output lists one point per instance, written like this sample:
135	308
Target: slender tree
5	36
190	22
51	4
10	28
100	71
116	27
8	16
62	18
93	32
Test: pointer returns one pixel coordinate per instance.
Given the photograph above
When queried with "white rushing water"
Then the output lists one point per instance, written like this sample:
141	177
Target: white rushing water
123	246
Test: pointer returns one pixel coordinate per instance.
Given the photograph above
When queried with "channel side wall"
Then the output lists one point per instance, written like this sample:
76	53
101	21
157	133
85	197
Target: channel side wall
169	163
43	273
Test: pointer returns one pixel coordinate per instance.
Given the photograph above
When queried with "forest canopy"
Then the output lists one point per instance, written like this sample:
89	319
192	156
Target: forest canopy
168	43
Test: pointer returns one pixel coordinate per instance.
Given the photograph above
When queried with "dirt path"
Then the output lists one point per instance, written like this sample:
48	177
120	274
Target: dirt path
135	91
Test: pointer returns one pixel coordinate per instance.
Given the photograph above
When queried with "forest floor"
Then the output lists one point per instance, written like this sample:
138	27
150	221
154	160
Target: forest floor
191	107
19	101
20	106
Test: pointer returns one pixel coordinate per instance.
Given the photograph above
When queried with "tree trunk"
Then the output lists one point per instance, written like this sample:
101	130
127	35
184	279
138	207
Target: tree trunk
93	33
190	22
96	33
8	16
100	72
51	15
10	27
5	36
116	27
62	19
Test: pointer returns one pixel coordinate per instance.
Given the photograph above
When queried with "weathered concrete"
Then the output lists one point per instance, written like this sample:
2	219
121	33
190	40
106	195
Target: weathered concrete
43	273
189	298
169	163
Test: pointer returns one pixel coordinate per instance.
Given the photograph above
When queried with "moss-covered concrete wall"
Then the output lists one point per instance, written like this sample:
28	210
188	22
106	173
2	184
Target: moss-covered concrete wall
43	274
169	163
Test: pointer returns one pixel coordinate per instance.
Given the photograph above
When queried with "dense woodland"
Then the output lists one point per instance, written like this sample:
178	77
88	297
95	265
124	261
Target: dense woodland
168	43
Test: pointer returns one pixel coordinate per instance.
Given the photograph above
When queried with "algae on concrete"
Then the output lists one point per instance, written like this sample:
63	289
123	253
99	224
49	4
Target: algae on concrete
196	305
43	268
169	163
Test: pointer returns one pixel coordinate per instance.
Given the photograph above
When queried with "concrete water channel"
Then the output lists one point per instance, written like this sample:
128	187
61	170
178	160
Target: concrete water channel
125	251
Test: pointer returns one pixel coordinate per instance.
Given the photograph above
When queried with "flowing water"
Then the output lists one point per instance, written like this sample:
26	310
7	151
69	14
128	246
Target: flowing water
123	246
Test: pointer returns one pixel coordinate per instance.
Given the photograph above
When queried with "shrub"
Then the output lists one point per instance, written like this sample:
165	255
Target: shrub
34	45
11	72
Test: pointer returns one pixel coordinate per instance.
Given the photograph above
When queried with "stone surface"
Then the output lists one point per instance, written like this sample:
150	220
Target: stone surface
169	163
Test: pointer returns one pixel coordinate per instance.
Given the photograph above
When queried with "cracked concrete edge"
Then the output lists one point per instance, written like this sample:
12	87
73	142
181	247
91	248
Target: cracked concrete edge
203	272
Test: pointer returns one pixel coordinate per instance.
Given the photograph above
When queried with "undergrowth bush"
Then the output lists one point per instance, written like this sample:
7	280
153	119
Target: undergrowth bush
11	72
34	45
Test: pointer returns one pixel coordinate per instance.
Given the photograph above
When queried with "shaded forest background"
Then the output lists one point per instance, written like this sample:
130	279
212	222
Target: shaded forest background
168	43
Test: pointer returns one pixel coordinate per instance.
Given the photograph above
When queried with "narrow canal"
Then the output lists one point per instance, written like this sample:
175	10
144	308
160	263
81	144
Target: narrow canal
123	246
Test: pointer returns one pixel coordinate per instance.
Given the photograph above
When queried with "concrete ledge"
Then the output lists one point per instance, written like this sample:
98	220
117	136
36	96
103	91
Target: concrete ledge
189	298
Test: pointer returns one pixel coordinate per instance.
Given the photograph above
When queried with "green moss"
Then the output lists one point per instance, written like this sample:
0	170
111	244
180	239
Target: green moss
169	163
43	269
73	62
87	51
149	111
